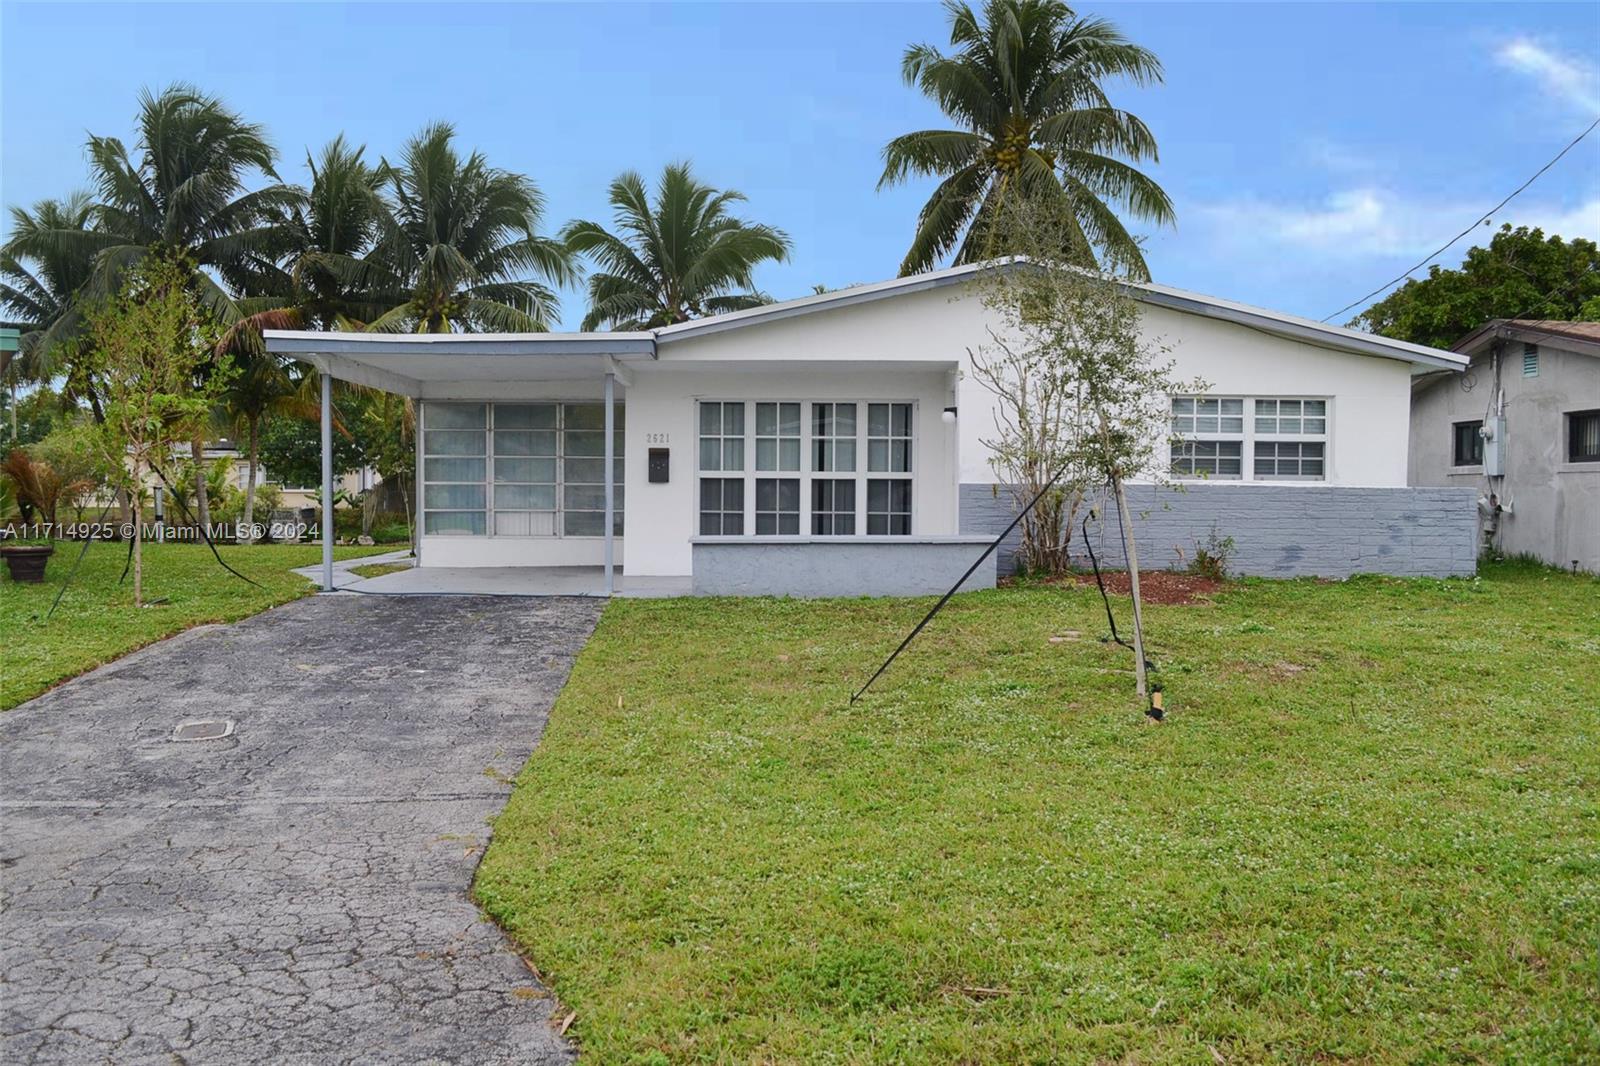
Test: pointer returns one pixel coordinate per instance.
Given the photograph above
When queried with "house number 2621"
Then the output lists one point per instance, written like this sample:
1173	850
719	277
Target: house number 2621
657	438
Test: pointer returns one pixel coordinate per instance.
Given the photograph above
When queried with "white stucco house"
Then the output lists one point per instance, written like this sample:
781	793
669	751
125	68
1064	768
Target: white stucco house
835	444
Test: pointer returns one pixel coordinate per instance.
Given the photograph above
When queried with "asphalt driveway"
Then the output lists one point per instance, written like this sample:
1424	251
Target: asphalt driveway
295	891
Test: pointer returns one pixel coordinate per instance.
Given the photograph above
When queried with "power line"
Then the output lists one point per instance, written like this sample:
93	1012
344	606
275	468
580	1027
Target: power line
1479	221
1550	297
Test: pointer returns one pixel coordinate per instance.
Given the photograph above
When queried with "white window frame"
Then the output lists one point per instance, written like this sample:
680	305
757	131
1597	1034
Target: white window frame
861	476
1250	437
559	515
1197	436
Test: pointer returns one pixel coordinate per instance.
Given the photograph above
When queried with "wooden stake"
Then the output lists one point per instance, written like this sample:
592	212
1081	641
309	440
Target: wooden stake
1130	552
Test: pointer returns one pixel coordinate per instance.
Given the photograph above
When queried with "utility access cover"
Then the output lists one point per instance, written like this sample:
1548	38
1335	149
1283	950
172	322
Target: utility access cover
204	729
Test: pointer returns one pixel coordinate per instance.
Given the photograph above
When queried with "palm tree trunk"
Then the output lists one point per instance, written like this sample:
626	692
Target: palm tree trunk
250	484
202	496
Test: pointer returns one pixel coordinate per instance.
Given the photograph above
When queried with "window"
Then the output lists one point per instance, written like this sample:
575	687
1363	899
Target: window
824	468
1583	437
1467	443
777	436
454	455
889	437
777	505
1204	416
525	459
833	436
583	470
721	506
1291	417
1530	360
1288	460
889	506
517	469
722	436
1212	429
1208	458
1282	439
833	506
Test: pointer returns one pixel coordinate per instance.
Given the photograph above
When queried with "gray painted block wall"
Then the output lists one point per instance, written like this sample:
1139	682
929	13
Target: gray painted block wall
1278	530
839	566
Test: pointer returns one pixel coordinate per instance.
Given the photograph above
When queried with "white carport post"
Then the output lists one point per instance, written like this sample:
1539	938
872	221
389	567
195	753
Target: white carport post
611	421
327	481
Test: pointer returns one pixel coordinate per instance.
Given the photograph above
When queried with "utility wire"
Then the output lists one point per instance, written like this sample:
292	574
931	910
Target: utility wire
1479	221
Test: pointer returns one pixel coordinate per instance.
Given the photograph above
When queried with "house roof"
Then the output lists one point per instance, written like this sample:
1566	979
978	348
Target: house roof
1581	337
410	355
1274	322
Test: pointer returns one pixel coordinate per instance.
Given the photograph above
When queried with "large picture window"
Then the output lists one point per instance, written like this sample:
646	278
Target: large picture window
807	474
517	469
1240	438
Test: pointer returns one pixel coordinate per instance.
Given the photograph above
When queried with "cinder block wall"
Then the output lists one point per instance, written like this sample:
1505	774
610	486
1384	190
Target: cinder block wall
1278	531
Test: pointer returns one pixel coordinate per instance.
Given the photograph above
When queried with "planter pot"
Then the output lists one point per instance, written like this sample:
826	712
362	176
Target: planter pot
27	561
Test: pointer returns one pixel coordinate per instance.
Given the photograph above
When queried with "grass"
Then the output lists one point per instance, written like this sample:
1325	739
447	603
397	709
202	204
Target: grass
1368	832
379	569
97	621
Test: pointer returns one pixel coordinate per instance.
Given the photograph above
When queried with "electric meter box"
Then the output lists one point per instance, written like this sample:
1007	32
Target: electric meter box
1494	447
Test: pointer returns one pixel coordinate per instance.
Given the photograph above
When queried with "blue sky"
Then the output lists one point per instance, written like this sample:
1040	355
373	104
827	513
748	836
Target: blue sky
1313	151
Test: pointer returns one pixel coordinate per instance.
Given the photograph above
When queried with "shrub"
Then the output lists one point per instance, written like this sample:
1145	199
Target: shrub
1212	556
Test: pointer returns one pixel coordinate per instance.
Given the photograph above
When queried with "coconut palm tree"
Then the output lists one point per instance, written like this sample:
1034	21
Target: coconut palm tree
326	275
1023	84
181	194
682	257
460	245
261	387
39	280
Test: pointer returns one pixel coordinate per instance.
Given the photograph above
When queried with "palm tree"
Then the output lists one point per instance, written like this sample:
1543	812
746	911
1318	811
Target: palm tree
262	387
461	246
326	273
37	291
1023	83
181	195
682	257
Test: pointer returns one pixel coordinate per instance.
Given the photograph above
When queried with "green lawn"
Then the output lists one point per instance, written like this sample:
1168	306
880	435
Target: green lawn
97	621
379	569
1369	830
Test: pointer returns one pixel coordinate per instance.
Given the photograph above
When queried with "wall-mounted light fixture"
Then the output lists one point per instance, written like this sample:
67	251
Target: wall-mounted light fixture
949	416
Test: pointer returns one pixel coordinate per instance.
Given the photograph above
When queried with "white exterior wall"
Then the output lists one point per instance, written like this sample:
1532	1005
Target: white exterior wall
850	352
1369	407
662	413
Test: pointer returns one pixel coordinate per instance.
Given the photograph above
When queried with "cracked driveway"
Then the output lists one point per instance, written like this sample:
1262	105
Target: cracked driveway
296	892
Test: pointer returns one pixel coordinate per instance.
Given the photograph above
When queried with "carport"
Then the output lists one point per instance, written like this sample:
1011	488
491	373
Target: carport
456	372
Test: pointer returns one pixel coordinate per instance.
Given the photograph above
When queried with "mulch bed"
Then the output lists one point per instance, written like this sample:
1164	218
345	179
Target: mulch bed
1155	586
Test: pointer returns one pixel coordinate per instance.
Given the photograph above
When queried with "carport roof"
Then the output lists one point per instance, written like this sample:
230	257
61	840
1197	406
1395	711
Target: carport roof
406	362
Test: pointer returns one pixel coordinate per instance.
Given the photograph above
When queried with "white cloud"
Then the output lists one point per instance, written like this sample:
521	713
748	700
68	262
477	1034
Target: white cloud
1371	222
1565	77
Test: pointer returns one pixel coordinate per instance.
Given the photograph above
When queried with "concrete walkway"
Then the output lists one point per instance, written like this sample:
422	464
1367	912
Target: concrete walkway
493	580
296	891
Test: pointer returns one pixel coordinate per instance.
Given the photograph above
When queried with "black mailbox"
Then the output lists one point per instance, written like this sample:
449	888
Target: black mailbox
658	465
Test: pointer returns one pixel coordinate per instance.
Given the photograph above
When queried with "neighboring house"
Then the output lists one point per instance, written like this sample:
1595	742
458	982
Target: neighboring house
1522	427
835	444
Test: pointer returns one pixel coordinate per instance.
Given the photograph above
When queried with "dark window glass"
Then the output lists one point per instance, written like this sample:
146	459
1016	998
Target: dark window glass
721	506
777	505
1467	449
1583	437
833	507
